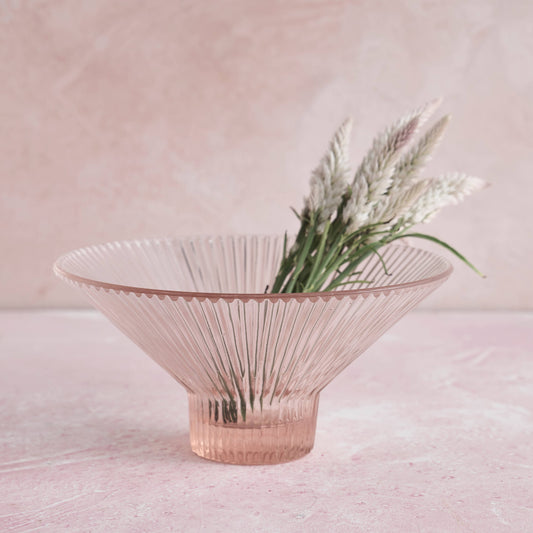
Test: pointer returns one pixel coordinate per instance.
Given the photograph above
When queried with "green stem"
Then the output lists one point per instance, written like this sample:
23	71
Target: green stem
441	243
362	254
354	255
317	260
374	248
303	252
287	261
335	285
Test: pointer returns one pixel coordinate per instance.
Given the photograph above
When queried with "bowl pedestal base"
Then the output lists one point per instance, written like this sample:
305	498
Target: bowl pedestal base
277	433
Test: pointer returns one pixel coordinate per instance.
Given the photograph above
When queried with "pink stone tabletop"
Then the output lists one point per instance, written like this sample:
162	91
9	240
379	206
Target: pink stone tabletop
430	431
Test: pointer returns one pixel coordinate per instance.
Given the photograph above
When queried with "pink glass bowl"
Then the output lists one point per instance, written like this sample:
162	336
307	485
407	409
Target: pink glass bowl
253	364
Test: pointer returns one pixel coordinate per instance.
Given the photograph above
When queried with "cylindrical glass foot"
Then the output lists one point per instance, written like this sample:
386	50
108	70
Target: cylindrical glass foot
222	431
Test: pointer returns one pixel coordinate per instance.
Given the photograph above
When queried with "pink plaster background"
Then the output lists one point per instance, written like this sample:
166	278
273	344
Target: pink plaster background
149	117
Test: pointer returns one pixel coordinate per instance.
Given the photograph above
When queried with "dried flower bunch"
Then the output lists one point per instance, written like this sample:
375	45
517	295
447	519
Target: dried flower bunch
343	221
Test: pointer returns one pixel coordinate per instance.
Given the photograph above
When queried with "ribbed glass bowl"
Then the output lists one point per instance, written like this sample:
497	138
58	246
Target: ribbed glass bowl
253	363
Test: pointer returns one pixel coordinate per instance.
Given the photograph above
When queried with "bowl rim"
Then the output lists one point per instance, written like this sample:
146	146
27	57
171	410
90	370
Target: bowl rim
64	274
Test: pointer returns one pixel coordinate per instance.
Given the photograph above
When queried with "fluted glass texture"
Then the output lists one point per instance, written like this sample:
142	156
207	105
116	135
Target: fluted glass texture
253	363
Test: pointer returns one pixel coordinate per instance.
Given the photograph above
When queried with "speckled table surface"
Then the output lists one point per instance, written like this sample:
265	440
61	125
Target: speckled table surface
430	430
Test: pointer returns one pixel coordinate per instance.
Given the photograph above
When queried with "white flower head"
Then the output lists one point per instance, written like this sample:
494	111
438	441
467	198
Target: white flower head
375	174
449	189
329	180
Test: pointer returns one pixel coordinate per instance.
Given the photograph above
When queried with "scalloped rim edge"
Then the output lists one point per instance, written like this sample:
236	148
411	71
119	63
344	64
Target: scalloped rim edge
244	297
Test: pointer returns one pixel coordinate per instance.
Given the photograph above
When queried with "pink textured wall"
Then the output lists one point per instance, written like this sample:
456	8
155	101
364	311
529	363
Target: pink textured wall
148	117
